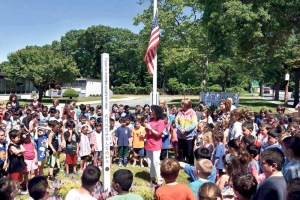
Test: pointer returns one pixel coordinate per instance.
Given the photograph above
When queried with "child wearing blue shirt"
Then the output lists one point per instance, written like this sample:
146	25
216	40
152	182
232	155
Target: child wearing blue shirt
123	134
200	153
41	142
218	137
203	169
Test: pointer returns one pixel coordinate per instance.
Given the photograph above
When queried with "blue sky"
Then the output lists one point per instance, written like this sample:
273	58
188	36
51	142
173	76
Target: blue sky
39	22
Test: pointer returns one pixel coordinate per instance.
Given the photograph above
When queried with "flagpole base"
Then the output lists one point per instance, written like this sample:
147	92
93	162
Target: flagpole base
154	98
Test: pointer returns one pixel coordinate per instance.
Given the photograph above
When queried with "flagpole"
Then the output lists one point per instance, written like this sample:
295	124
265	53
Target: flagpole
154	93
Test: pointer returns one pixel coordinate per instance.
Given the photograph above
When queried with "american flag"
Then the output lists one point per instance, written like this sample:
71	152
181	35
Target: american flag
153	43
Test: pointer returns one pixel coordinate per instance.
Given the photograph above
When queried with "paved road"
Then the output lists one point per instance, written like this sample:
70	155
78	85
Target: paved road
131	101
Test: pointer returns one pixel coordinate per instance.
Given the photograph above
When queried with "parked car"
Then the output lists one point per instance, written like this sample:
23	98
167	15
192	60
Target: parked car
266	90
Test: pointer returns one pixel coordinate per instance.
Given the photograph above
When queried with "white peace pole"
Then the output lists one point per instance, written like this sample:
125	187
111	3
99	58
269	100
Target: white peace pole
105	120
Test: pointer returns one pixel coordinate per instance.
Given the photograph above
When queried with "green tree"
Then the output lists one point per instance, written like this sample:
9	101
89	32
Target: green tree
86	47
43	66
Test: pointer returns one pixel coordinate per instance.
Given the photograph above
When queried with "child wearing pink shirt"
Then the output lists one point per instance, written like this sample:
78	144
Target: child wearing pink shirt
30	157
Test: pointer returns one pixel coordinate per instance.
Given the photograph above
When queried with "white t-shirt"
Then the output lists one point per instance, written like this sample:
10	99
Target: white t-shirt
75	195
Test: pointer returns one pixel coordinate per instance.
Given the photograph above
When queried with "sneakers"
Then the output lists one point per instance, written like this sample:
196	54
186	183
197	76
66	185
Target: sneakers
23	192
100	167
120	164
67	174
75	173
142	165
51	178
61	169
134	164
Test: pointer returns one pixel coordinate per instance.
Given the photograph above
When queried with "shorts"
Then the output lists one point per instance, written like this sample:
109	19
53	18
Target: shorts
98	155
18	176
138	152
71	159
52	160
123	151
30	165
175	143
84	157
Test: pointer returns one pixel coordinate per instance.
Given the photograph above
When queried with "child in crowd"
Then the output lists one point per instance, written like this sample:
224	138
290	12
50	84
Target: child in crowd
291	149
138	136
113	149
253	166
30	157
247	140
203	169
122	136
172	190
38	188
40	138
53	147
90	177
85	147
209	191
15	153
274	186
96	144
72	147
9	188
121	183
244	186
218	152
7	121
273	136
247	128
200	153
165	139
3	156
174	139
262	135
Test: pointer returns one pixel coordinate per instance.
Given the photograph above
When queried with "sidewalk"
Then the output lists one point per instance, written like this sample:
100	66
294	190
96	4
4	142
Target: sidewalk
111	100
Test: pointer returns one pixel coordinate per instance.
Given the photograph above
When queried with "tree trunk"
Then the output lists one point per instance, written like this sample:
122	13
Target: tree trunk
276	89
296	90
225	79
41	95
260	89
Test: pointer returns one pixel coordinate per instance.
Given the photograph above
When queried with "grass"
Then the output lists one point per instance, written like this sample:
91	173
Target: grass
254	104
141	181
48	100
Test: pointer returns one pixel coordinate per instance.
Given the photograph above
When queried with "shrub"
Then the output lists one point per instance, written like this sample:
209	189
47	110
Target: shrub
214	88
174	87
235	89
70	93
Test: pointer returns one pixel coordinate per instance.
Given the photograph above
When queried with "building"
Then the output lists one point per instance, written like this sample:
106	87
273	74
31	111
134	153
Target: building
23	88
85	86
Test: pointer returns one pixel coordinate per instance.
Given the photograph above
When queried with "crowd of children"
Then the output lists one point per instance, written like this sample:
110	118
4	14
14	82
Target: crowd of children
235	154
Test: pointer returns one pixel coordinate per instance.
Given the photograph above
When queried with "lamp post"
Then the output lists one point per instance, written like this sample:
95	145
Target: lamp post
286	95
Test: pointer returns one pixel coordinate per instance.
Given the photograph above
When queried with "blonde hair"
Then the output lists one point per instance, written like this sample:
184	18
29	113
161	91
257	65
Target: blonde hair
207	137
209	191
205	167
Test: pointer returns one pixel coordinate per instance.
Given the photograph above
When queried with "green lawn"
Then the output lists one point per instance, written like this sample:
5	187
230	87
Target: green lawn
141	181
253	103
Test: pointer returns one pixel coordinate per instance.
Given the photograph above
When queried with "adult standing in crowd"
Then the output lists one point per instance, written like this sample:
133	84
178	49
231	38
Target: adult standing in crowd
224	112
186	122
153	145
13	100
